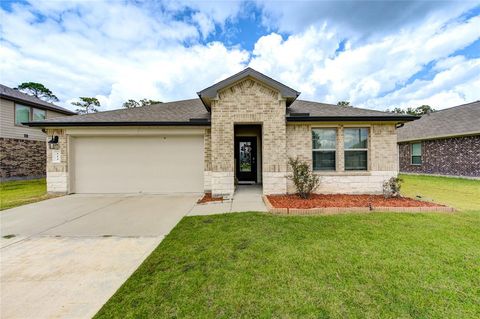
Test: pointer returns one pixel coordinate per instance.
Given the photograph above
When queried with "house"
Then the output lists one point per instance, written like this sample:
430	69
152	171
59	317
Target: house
22	148
239	130
446	142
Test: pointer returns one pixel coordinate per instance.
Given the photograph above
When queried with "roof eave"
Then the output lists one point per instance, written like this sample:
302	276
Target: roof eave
351	118
135	123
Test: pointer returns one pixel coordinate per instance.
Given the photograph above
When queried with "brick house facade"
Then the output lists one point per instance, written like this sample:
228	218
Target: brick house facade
23	148
249	126
445	142
455	156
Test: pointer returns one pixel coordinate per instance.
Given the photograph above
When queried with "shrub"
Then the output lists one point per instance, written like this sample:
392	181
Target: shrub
391	187
303	178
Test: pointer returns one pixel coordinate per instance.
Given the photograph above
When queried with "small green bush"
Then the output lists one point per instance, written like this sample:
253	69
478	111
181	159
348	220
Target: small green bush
303	178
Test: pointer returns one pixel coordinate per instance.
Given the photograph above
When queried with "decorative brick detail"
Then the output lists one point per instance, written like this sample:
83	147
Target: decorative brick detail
22	158
456	156
249	102
57	173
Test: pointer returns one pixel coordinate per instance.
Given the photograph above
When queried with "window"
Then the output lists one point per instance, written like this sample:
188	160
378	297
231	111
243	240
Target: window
22	114
38	115
356	147
416	153
324	143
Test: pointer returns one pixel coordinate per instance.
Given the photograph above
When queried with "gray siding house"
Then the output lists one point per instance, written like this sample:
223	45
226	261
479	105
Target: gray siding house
445	142
23	148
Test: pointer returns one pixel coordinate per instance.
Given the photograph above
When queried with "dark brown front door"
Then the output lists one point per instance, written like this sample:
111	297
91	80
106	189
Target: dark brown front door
246	158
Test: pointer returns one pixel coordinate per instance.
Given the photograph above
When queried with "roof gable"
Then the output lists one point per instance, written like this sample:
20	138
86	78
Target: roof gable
206	95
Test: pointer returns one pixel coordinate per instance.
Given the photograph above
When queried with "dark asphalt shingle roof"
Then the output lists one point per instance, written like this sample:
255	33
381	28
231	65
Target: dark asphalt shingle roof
316	109
17	96
178	111
455	121
185	110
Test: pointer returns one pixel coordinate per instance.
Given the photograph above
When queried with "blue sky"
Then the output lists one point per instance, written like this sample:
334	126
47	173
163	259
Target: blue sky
375	54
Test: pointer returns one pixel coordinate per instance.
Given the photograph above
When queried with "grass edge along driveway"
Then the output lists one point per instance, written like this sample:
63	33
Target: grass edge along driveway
17	193
356	265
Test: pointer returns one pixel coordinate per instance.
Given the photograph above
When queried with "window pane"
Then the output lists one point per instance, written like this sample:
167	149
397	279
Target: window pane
245	156
356	138
324	138
22	114
356	160
416	160
417	149
324	160
38	115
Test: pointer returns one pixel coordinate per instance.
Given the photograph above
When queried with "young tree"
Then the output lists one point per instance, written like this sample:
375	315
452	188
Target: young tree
143	102
38	90
343	103
87	105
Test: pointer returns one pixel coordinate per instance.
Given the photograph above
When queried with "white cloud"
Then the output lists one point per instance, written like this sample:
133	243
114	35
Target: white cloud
362	73
450	87
122	50
112	51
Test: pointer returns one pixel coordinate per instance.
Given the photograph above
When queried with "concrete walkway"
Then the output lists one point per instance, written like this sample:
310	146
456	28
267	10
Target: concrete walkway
246	198
70	254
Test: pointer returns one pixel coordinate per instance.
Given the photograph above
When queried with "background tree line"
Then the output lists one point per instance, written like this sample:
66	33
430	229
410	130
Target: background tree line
85	105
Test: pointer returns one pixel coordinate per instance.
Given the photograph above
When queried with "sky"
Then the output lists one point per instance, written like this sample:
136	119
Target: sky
375	54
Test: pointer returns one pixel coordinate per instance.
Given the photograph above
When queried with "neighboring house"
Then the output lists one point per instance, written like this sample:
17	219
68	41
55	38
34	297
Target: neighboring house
446	142
239	130
22	148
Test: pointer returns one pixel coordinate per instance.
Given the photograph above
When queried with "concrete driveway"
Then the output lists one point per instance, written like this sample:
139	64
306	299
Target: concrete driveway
68	255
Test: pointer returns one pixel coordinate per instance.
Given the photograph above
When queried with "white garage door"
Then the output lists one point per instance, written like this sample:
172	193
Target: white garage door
153	164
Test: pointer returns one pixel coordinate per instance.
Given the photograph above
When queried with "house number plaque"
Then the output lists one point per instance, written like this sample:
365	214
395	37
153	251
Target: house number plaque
56	156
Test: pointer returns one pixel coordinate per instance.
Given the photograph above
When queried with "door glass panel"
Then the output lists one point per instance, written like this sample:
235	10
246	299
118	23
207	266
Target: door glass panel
245	156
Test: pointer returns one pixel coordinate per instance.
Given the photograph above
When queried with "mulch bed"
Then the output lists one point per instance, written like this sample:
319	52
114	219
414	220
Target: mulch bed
207	198
343	200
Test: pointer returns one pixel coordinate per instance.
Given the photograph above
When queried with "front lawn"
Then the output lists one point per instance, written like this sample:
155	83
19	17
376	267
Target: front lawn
250	265
16	193
463	194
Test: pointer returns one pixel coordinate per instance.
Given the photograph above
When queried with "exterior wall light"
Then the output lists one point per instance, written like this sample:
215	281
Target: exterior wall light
53	143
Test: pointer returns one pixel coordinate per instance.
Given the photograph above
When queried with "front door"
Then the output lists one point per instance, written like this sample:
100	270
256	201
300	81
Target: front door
246	158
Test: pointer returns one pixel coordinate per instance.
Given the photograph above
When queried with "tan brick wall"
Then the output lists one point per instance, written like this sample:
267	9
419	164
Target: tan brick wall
248	101
207	170
382	156
57	173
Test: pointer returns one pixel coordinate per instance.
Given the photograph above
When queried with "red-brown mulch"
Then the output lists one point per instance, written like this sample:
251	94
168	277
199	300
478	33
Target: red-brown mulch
208	198
343	200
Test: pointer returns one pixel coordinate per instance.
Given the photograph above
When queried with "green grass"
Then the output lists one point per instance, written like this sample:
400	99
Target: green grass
253	265
463	194
16	193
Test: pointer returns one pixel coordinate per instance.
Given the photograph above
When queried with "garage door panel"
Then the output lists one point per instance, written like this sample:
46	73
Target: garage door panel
172	164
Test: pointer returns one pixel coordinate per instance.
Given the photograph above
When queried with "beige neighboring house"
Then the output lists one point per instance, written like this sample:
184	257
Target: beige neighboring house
239	130
22	148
